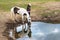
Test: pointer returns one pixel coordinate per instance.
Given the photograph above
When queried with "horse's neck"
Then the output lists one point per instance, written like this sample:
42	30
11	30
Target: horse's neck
21	11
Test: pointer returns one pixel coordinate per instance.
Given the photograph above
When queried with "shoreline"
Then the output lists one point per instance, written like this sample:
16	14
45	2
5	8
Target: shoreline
47	21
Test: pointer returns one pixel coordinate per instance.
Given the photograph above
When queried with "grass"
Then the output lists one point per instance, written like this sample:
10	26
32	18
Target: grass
7	4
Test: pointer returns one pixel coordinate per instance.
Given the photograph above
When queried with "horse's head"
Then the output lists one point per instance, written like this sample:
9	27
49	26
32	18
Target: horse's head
25	17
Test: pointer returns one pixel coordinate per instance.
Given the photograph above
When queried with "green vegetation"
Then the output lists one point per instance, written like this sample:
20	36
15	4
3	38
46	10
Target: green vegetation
7	4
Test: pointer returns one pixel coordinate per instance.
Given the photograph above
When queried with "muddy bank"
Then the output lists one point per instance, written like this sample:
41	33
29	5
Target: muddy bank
47	20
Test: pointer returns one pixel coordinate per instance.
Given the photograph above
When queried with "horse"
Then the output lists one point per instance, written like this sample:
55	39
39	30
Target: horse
24	15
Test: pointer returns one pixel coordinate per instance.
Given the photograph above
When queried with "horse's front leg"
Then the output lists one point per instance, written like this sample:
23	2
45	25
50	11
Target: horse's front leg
22	24
29	29
25	27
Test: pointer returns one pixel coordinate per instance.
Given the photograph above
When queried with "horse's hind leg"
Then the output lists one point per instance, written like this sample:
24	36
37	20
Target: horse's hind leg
29	29
29	34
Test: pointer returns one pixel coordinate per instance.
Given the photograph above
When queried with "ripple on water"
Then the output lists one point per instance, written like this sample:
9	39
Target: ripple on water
41	30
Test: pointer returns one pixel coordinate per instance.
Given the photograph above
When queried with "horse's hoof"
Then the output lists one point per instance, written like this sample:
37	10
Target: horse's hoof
29	34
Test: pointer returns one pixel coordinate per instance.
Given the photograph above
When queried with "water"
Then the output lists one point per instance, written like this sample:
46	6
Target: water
43	31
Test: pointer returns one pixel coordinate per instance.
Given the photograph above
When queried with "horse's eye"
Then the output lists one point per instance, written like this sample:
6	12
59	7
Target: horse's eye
24	13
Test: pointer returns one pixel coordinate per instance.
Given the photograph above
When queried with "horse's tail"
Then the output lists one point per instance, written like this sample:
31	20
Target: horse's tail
29	8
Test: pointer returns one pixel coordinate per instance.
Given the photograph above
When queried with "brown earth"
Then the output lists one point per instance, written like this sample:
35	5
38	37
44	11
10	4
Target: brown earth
50	12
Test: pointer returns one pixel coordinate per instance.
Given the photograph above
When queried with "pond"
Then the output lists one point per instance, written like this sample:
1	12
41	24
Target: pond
43	31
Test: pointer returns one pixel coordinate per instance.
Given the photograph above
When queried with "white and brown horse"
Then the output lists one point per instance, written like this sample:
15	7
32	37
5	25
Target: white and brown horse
24	15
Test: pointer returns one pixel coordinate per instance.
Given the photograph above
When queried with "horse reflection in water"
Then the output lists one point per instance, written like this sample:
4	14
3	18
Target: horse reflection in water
24	19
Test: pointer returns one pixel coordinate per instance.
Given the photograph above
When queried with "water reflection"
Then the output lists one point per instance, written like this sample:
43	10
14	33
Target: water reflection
43	31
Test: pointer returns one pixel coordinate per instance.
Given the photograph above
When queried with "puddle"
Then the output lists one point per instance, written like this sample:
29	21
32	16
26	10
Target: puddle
42	31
